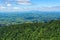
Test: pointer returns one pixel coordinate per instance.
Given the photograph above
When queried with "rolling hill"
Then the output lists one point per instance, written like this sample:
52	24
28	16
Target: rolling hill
31	31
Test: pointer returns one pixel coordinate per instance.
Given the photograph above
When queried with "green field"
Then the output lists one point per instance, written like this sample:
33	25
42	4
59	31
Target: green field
31	31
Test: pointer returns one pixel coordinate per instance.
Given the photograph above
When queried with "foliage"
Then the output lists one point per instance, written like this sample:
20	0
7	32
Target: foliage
31	31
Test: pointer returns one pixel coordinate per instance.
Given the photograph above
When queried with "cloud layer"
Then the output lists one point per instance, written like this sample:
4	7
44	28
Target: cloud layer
2	8
10	7
23	2
18	2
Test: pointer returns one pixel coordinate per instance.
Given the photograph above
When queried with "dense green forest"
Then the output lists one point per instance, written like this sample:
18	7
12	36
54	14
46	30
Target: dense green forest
31	31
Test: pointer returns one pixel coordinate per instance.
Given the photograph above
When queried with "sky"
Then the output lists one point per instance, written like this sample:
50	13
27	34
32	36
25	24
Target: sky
27	5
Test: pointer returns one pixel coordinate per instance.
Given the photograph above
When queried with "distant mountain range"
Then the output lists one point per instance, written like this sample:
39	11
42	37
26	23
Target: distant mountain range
32	16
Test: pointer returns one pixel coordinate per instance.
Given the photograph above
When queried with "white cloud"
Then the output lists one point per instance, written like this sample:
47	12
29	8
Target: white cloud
2	7
23	2
9	5
16	8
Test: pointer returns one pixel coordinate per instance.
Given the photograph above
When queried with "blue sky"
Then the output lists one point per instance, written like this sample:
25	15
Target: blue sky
47	2
24	5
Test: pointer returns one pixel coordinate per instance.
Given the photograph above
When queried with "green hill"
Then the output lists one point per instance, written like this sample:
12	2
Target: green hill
31	31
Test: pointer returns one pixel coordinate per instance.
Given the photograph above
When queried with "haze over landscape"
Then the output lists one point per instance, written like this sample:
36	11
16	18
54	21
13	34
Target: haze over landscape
29	19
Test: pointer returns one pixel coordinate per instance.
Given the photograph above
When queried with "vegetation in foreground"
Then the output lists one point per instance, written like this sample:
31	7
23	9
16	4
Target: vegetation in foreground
31	31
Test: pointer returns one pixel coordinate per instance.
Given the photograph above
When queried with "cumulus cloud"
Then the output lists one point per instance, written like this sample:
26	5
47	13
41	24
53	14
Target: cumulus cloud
9	5
23	2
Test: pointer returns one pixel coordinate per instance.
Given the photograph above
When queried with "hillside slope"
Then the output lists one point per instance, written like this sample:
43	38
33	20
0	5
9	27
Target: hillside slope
31	31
